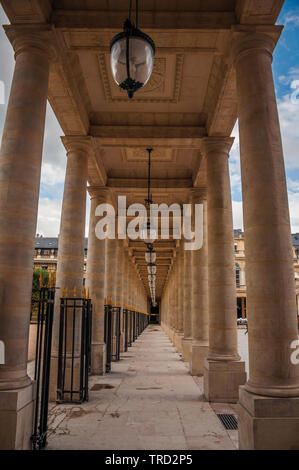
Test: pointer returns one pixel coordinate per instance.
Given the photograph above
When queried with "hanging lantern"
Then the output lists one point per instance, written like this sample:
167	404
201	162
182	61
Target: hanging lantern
132	56
149	234
150	256
151	268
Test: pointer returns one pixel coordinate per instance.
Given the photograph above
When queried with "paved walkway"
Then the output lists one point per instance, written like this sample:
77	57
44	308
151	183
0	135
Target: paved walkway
149	401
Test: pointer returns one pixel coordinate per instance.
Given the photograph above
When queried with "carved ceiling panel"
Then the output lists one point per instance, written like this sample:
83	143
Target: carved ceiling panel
163	86
140	155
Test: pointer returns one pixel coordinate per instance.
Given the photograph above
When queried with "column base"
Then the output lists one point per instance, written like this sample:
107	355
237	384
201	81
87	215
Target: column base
222	380
267	423
16	418
198	354
186	348
98	358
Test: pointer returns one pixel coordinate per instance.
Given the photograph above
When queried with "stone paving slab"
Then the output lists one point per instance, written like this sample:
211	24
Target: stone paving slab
154	404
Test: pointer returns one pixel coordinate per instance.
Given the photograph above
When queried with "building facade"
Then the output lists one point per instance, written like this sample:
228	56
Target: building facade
46	256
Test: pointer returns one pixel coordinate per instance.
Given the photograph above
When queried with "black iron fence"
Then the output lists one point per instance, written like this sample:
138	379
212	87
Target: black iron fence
118	321
74	358
43	310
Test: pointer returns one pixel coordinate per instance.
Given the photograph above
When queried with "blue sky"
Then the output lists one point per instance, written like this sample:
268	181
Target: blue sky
286	76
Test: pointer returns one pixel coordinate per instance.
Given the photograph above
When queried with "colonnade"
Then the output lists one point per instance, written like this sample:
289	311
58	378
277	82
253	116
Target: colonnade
269	400
198	303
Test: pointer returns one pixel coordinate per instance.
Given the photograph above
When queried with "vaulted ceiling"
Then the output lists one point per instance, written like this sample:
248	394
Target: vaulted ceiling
191	93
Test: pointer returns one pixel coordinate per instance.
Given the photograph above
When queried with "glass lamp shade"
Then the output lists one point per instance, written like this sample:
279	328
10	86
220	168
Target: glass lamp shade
148	233
151	268
132	58
150	256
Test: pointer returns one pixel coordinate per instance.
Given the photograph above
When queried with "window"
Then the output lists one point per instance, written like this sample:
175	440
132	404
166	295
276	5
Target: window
237	275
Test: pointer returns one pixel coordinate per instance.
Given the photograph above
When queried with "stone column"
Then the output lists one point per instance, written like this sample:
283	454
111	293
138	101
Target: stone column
187	282
70	262
119	289
223	372
269	402
111	268
200	295
176	296
20	165
180	274
95	282
170	302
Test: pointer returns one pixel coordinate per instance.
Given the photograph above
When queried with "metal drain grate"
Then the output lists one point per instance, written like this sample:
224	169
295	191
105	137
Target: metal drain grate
228	421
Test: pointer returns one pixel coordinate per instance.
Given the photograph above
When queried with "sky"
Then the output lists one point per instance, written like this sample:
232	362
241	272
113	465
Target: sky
286	77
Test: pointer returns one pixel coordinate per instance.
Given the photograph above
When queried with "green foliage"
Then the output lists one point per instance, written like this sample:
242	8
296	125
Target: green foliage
36	277
35	289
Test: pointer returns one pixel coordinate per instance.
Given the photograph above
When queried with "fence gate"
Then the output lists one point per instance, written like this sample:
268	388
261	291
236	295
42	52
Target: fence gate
112	333
42	314
74	350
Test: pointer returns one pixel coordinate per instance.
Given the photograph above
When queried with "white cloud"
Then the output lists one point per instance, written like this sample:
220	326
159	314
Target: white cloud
291	19
291	76
238	215
294	211
289	123
49	212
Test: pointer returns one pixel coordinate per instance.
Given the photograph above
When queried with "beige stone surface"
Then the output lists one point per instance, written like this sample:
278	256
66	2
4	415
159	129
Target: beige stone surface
198	353
268	423
16	418
154	404
69	275
271	297
95	282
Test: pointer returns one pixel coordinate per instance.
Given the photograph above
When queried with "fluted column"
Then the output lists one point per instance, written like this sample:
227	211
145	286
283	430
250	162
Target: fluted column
95	281
224	371
70	263
187	282
200	295
270	398
20	166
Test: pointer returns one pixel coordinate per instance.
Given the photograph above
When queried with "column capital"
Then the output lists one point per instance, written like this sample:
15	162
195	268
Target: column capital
31	38
198	194
103	194
245	43
215	144
76	143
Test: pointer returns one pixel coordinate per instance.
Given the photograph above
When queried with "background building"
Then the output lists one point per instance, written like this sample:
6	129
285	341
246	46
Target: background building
46	252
